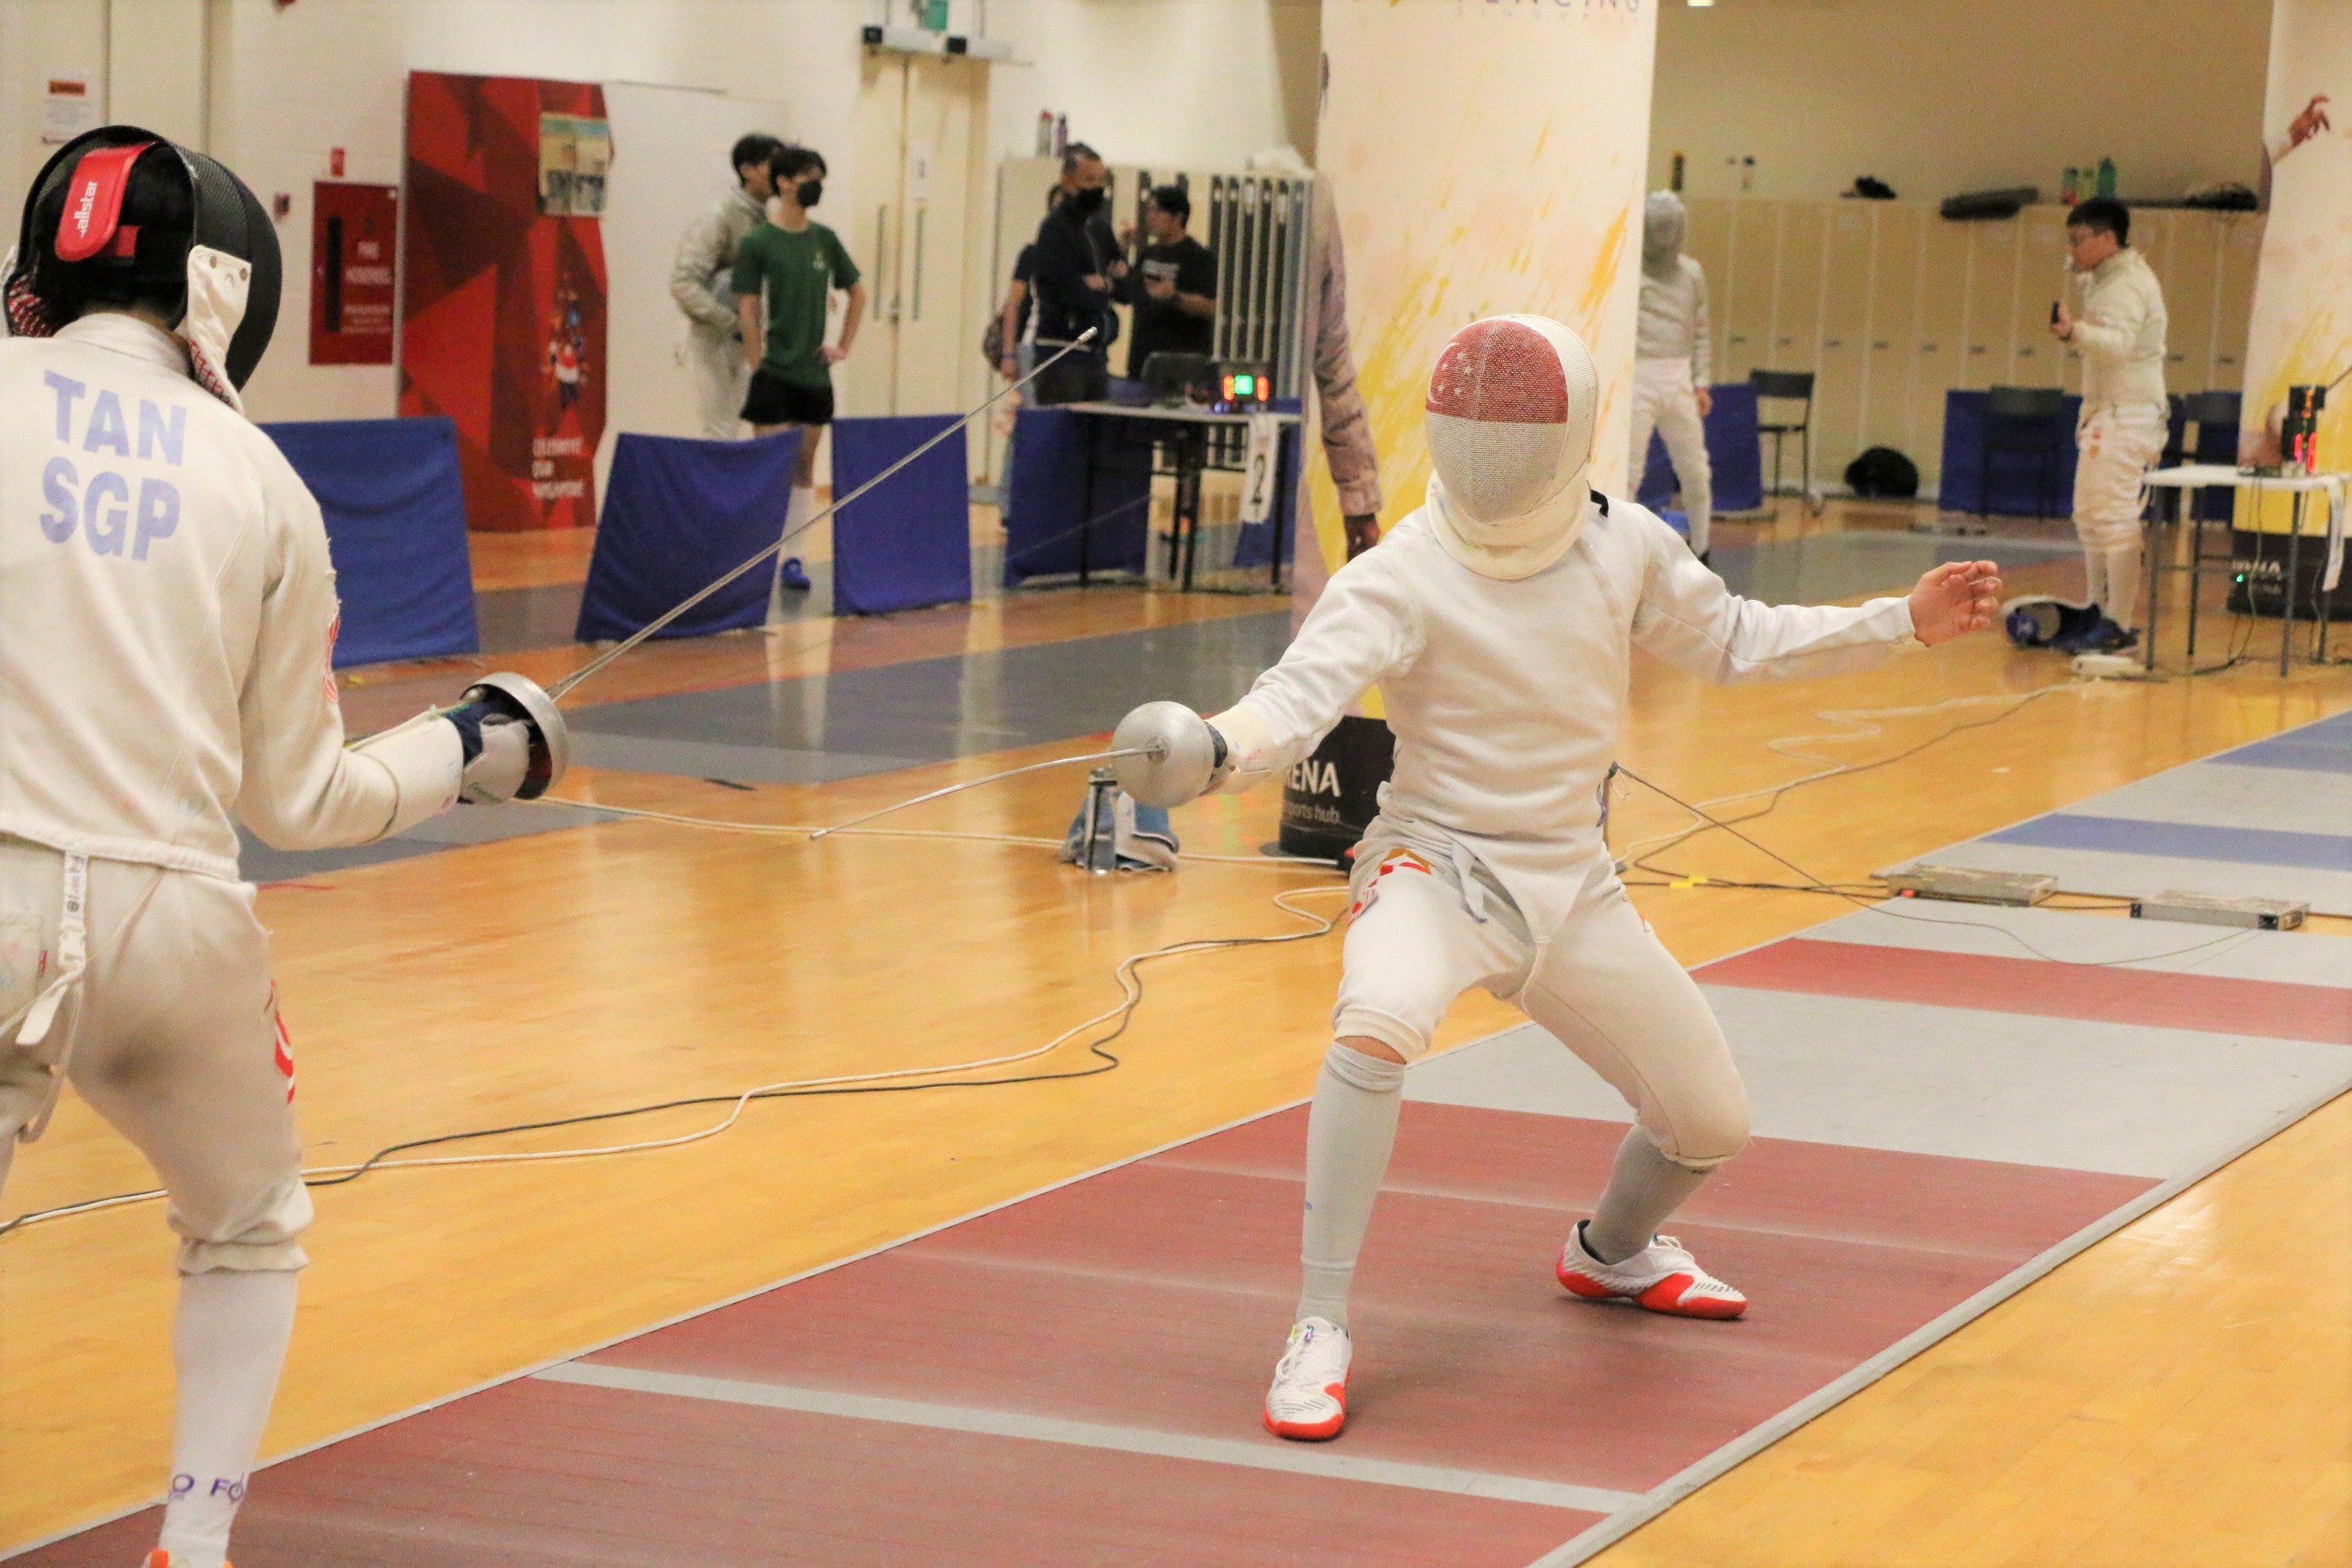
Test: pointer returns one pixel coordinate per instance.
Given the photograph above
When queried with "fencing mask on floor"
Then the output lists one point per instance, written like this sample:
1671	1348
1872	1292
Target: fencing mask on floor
1509	418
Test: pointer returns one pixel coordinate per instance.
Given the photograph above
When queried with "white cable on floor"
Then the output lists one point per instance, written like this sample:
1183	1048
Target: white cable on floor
1124	971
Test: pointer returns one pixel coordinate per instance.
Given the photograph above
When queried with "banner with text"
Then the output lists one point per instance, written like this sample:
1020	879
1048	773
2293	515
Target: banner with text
503	304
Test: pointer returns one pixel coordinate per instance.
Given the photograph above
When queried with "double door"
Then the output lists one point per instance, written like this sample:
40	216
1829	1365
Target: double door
917	224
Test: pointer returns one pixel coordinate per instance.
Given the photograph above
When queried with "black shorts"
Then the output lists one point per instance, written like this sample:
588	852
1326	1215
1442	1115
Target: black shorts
775	401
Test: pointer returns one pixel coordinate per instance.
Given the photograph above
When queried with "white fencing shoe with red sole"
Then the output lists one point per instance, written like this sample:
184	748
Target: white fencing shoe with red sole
1308	1401
1662	1277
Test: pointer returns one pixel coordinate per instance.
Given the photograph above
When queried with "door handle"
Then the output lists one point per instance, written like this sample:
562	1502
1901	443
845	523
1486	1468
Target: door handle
920	211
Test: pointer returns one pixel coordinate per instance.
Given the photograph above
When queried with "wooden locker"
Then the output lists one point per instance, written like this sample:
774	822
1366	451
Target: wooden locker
1991	303
1797	279
2036	357
1747	312
1708	241
1890	347
1939	340
1844	324
2238	248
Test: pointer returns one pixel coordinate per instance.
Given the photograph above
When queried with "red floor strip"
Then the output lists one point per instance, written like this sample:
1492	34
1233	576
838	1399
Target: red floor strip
2269	1009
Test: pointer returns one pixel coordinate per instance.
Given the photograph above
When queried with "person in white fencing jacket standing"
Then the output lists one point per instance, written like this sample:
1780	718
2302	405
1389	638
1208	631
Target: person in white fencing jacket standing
702	281
167	625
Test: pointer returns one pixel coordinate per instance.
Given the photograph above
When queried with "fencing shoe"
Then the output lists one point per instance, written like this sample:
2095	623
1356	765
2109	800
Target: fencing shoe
1309	1400
159	1558
1663	1276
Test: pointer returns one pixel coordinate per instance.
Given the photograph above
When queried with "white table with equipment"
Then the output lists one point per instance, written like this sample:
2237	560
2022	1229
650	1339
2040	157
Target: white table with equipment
2192	477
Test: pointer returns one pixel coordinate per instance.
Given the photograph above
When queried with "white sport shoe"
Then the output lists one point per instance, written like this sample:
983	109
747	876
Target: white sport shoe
1663	1276
1309	1400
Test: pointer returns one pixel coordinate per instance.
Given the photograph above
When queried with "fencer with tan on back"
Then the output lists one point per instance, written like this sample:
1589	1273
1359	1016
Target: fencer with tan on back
167	627
1500	622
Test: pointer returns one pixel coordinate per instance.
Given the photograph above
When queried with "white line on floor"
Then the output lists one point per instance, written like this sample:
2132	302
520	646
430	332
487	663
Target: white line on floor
1294	1458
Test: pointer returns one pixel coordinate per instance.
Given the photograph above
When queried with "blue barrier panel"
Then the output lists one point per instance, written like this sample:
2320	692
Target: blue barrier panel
395	517
2015	475
909	542
1734	456
679	513
1043	515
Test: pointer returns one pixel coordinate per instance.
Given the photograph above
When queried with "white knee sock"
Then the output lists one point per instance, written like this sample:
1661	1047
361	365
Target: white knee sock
2122	603
1644	1187
1350	1132
2094	575
229	1342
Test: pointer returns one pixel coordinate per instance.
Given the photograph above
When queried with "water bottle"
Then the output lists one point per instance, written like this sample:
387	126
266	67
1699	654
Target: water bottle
2107	176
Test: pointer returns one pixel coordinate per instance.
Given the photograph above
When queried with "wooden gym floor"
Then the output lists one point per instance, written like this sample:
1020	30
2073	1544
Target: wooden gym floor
2174	1396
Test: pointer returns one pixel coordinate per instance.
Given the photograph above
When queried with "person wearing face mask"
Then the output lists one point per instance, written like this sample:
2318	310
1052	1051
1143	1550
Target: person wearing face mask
786	271
1077	270
1670	364
1499	621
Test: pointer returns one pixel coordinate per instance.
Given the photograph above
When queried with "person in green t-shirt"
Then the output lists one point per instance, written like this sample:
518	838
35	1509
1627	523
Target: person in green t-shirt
785	272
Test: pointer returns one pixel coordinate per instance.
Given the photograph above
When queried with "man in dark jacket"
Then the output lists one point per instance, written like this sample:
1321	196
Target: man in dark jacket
1076	266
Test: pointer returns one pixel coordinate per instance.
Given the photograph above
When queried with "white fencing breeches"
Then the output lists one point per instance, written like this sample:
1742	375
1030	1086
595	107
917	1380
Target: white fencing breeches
2114	448
172	1037
1664	399
722	381
1603	985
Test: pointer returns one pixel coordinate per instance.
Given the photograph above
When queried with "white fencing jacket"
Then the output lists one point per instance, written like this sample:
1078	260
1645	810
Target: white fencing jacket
1672	323
1506	697
2119	331
167	617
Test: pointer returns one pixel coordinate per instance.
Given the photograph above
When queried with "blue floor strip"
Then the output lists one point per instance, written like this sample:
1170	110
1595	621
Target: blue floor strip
2183	841
2322	748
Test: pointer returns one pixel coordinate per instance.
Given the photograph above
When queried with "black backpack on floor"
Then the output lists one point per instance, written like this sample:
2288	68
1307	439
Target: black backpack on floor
1883	473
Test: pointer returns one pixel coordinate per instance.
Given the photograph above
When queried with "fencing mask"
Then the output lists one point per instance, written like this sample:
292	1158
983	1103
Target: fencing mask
1509	418
121	216
1662	233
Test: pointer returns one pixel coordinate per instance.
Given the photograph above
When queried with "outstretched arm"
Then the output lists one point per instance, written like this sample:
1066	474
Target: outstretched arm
1690	619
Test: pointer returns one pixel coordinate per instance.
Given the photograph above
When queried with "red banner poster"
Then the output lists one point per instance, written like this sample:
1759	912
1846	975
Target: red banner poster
504	296
354	233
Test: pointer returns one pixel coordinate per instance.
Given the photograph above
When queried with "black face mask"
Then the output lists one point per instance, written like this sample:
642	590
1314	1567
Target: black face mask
1087	203
808	191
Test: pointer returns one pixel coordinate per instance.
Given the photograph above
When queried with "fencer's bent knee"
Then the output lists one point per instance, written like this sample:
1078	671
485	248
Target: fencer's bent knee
1698	1128
1394	1030
262	1236
1374	1075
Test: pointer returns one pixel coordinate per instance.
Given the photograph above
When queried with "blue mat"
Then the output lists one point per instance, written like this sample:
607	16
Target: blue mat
909	542
2188	841
2322	748
396	513
1735	456
678	514
1046	514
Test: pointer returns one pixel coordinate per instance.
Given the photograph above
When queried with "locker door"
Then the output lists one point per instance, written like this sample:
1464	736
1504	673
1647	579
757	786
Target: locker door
1844	326
2239	247
1990	304
2192	277
1747	308
1890	350
1708	242
2037	359
1797	287
1939	328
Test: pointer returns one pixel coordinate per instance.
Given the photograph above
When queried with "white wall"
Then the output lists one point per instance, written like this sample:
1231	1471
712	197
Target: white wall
1936	97
1201	82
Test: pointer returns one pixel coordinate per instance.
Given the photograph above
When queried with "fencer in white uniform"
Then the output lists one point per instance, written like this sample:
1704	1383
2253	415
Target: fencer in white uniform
1670	366
1499	621
167	620
702	284
2119	331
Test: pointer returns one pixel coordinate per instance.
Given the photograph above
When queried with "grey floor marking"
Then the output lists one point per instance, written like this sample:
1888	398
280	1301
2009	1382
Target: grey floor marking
1290	1457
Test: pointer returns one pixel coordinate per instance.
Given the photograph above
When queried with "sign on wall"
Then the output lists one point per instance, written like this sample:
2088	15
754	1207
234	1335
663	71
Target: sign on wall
503	302
354	246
